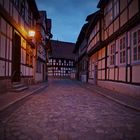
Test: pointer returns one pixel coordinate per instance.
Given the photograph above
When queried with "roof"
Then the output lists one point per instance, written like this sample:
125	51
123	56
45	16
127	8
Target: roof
62	49
101	3
92	16
81	36
93	19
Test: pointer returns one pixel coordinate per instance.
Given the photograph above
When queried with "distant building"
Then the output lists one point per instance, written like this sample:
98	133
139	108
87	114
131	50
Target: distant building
61	59
113	46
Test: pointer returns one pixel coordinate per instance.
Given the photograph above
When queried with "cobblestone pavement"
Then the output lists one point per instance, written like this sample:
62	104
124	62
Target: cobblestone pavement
66	111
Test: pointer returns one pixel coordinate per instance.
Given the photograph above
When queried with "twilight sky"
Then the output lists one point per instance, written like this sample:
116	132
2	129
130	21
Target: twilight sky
68	16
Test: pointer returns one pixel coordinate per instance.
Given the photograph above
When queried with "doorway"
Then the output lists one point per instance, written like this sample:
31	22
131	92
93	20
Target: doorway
16	57
95	74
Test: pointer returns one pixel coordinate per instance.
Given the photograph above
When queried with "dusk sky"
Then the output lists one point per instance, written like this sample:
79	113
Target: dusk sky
68	16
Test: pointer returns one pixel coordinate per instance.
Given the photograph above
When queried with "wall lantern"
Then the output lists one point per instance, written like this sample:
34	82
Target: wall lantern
31	33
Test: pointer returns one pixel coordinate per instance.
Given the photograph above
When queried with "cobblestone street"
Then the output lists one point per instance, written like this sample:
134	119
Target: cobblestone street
67	111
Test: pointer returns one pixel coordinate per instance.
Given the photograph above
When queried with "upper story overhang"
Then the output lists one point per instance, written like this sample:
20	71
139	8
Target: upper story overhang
92	20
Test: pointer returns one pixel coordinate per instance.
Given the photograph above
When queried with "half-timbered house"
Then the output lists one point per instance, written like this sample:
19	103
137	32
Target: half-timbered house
61	59
17	47
43	30
115	62
81	59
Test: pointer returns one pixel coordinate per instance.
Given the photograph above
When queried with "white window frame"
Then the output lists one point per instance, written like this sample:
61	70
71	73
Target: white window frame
115	8
136	45
122	50
112	54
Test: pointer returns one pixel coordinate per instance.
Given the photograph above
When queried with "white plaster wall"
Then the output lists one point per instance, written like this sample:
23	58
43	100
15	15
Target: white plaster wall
103	63
123	18
111	29
116	73
128	74
111	74
99	74
136	74
133	8
122	73
116	24
103	74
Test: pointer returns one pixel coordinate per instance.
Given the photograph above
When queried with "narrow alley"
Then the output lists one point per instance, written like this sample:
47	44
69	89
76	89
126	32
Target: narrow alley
67	111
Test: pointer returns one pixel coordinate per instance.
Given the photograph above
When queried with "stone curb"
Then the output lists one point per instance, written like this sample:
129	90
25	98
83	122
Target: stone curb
23	97
118	101
114	99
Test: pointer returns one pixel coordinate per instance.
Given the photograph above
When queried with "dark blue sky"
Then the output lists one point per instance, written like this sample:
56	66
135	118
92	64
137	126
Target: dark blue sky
68	16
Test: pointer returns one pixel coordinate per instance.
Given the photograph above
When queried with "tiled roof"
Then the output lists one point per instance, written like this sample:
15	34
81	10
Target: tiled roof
101	3
62	49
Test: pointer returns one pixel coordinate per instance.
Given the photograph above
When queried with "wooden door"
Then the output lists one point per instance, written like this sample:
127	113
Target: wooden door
16	57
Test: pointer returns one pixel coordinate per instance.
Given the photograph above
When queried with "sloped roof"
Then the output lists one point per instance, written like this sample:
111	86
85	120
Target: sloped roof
101	3
92	19
92	16
81	37
60	49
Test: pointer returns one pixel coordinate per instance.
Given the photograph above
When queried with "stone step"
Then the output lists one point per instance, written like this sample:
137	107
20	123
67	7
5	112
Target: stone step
18	87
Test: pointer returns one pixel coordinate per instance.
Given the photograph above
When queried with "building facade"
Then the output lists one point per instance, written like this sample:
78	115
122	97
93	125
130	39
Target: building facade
113	46
43	37
120	53
61	59
18	45
93	45
81	55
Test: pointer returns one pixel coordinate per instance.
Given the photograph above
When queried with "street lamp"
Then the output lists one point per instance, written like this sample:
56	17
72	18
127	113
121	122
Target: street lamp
31	38
31	33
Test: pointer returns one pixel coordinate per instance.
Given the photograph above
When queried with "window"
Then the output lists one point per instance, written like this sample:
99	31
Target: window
112	54
111	11
59	62
122	50
136	45
16	3
29	56
116	8
54	61
22	8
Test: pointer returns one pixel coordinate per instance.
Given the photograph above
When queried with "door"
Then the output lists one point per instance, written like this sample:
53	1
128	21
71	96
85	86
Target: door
43	74
16	57
95	74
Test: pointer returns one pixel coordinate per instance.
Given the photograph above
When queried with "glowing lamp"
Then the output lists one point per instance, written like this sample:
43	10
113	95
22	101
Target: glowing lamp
31	33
